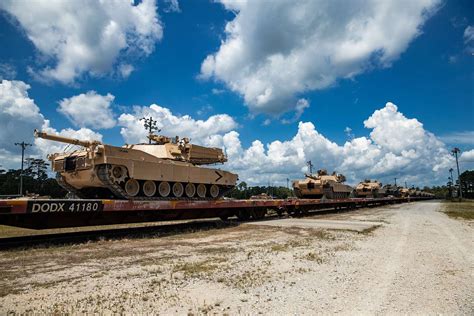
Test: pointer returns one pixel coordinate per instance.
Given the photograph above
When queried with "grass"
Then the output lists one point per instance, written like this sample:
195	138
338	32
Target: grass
313	256
198	267
464	210
369	230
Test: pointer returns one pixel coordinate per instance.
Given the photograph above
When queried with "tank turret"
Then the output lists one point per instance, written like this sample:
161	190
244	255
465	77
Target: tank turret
391	190
164	169
370	188
322	184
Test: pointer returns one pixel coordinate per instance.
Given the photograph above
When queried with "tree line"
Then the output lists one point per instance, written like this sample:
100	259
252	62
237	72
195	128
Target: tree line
35	180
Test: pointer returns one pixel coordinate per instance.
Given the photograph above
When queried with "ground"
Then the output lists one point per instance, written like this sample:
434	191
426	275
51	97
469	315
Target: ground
419	260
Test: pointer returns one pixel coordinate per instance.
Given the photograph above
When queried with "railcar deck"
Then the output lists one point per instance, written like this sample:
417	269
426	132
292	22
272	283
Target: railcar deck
57	213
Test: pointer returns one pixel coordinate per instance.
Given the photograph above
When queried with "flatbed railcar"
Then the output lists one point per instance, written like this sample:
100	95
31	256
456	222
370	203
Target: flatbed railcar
59	213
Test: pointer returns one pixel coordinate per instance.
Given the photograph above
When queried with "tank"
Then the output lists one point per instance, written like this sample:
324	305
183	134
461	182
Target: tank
370	189
404	192
166	168
322	184
391	190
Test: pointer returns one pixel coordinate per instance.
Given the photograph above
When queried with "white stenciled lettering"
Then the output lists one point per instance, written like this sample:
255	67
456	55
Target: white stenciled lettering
45	208
36	208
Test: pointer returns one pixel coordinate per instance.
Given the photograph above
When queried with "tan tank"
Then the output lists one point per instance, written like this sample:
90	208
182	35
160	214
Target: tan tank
369	188
322	184
404	192
166	168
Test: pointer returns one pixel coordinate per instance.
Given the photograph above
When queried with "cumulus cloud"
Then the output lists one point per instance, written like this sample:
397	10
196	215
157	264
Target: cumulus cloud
86	37
89	110
275	50
185	126
396	146
467	156
19	116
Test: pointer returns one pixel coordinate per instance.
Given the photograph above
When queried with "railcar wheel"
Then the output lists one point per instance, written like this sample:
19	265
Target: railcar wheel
214	191
243	215
164	189
178	189
149	188
259	214
132	187
201	190
190	190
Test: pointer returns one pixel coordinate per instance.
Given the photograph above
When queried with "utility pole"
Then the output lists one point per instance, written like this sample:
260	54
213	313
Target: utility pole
406	185
455	152
150	125
23	147
310	167
287	183
395	181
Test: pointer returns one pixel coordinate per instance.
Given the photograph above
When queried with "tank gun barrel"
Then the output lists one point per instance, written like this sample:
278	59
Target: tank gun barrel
67	140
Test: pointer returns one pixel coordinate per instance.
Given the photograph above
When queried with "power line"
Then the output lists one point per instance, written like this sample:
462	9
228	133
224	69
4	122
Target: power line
455	152
23	147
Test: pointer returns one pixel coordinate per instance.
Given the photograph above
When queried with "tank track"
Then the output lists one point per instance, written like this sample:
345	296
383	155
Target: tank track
62	183
116	189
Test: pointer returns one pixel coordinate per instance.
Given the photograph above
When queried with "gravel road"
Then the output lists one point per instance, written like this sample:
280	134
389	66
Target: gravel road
419	261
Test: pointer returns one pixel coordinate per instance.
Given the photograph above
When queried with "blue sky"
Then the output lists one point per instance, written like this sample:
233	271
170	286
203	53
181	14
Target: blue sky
429	78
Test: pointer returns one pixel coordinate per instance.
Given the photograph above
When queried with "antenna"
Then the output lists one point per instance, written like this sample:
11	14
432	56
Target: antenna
150	126
310	167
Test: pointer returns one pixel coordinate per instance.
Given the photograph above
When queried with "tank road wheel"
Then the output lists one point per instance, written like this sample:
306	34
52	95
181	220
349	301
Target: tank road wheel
149	188
190	190
132	187
178	189
164	189
201	190
214	191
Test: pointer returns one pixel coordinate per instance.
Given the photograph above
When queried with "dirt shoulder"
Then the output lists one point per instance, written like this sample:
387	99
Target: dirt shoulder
418	261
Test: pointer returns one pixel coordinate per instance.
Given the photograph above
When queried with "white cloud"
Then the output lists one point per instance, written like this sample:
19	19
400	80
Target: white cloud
469	39
275	50
397	146
301	105
19	116
86	37
217	91
173	6
125	70
466	137
89	110
185	126
467	156
7	71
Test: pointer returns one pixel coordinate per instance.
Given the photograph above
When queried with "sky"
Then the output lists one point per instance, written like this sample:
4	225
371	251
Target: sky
371	89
